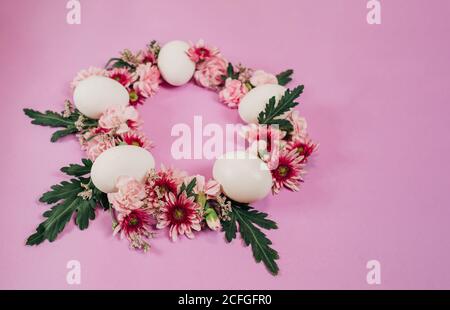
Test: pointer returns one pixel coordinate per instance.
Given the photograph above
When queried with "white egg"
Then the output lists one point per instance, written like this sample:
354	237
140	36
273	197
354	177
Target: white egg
244	177
95	94
256	99
122	160
175	66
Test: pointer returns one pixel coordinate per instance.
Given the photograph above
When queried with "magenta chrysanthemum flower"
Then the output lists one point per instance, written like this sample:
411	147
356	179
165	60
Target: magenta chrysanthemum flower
159	184
136	227
121	75
201	51
138	139
288	173
136	97
148	57
181	214
303	146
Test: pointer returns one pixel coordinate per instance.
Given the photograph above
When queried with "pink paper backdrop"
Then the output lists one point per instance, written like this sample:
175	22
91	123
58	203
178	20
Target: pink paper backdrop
377	100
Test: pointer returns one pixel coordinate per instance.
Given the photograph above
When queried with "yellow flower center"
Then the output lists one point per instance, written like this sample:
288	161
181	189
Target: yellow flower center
283	170
178	214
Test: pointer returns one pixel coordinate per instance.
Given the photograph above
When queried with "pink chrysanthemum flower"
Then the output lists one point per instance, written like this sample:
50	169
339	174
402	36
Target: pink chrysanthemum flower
181	215
200	51
136	97
121	75
288	173
303	146
136	227
137	138
148	79
84	74
160	183
148	57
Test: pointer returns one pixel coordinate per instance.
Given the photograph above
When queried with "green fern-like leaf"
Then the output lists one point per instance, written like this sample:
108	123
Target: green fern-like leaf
63	191
249	221
68	203
57	120
119	63
189	188
78	170
275	109
59	215
285	77
48	118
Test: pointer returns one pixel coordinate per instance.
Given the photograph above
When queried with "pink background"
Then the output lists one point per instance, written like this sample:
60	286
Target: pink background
377	100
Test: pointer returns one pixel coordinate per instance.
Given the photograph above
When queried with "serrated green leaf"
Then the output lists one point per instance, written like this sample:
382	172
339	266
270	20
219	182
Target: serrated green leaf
230	72
100	198
189	188
118	63
286	103
57	218
69	203
230	228
64	190
257	217
249	221
72	206
48	118
78	170
36	238
85	212
54	119
62	133
283	124
285	77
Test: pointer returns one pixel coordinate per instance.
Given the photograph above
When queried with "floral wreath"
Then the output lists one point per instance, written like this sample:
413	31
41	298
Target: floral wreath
141	202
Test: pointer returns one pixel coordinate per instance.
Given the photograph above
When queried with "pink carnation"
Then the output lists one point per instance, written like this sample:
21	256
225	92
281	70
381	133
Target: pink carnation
148	79
119	118
129	196
210	188
84	74
261	77
210	72
232	93
298	122
94	143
